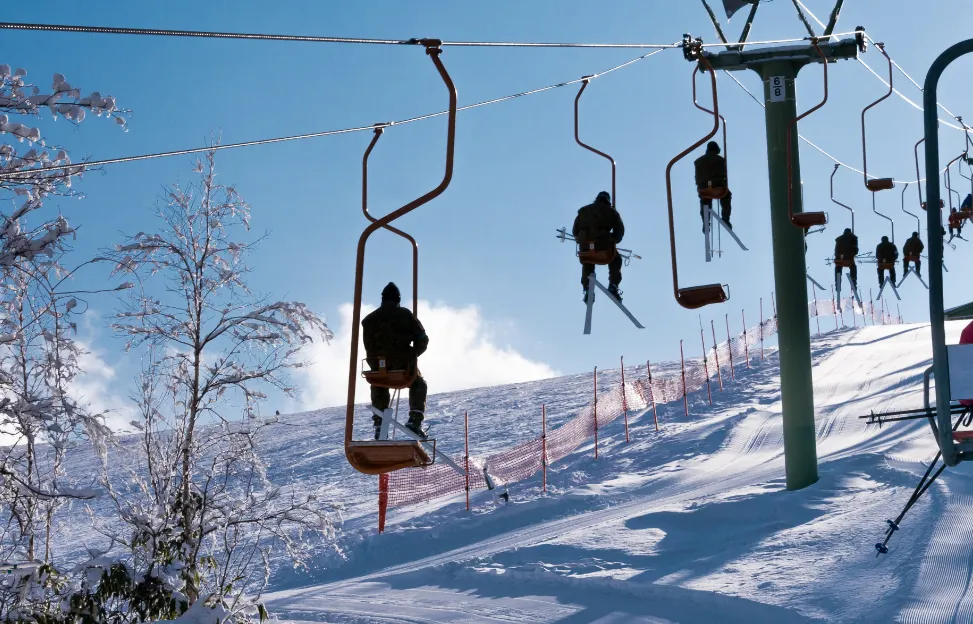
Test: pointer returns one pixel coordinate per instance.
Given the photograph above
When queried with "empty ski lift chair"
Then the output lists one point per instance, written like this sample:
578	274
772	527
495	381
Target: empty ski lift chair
384	456
876	184
805	220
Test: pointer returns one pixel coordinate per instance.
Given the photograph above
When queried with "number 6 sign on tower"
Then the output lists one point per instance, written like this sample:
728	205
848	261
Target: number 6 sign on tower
778	89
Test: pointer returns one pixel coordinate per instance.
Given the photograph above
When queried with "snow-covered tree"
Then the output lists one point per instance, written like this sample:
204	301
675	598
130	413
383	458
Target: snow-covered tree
29	177
204	518
40	421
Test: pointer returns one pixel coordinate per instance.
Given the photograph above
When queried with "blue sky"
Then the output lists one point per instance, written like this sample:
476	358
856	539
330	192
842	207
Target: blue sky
491	268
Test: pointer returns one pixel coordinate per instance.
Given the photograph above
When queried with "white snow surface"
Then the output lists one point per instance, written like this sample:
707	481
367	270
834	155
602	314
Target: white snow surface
690	524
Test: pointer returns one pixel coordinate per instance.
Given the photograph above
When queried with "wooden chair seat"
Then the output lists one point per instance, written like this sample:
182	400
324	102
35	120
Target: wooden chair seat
807	220
713	192
382	456
699	296
395	379
845	263
886	266
596	253
880	184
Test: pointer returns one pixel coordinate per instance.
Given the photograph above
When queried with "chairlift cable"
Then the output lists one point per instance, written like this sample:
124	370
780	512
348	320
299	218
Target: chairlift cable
165	32
805	139
916	84
199	150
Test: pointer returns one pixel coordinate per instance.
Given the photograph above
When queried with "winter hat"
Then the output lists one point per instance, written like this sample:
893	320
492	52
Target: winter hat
713	147
391	293
604	196
915	234
885	239
847	230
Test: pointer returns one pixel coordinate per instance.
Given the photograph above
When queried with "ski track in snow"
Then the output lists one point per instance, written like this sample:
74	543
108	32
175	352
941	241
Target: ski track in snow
689	524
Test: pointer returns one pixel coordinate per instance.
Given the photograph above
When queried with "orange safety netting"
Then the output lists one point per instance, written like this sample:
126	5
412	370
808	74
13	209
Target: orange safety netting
414	485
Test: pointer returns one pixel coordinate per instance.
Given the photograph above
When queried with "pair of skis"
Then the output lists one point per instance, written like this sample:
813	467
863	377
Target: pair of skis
592	284
714	243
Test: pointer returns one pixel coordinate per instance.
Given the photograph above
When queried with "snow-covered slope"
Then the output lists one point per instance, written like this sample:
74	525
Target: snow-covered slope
690	524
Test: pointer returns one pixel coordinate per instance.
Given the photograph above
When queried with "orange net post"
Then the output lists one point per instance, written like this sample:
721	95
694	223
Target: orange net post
624	400
544	447
685	395
383	500
709	390
655	411
595	408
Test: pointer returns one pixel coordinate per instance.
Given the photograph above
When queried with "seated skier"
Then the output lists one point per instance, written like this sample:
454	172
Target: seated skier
912	250
955	223
845	250
394	333
711	173
600	223
887	254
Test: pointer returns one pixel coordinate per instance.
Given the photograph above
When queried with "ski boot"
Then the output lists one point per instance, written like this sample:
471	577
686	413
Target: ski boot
613	289
415	424
377	422
584	296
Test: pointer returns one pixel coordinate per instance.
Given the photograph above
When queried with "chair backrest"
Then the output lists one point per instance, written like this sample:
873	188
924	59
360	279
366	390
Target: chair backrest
393	379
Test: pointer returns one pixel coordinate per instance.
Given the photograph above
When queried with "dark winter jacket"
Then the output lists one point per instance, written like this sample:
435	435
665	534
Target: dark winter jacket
913	247
392	331
886	252
967	203
710	168
846	246
598	222
956	219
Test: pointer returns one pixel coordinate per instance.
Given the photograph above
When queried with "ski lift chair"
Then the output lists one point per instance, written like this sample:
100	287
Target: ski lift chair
805	220
876	184
694	297
384	456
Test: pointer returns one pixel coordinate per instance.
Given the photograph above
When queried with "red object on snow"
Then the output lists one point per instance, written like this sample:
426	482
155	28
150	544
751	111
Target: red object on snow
967	338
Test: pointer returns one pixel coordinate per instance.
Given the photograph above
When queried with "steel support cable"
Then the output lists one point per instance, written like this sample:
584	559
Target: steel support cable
165	32
904	97
808	141
312	135
915	84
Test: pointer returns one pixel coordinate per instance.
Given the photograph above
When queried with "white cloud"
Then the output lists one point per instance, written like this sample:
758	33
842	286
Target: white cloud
98	388
462	354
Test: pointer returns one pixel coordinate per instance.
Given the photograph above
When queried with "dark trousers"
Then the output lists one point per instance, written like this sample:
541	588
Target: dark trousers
725	207
905	266
957	231
382	397
852	270
881	276
614	272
